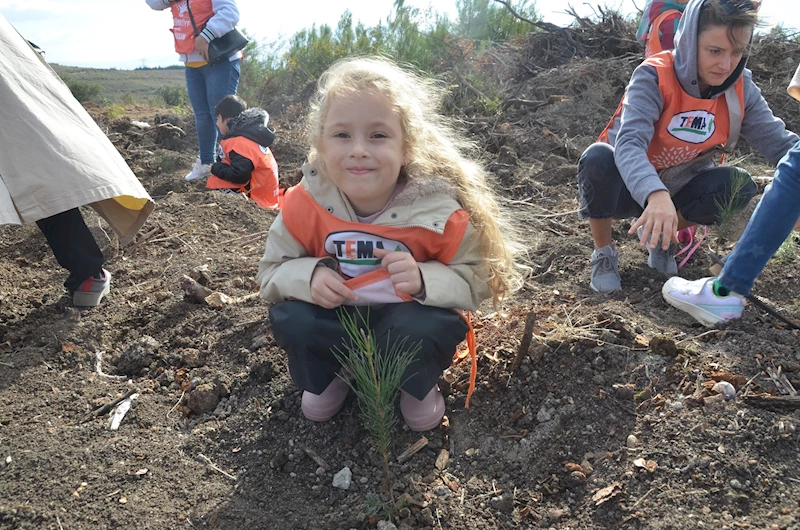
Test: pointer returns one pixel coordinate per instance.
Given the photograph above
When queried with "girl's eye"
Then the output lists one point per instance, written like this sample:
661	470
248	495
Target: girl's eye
340	135
379	135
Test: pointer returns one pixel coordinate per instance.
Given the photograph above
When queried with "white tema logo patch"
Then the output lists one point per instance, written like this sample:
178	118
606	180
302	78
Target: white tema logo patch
694	126
354	250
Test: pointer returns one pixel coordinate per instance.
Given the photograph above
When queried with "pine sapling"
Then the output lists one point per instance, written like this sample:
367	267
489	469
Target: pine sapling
375	379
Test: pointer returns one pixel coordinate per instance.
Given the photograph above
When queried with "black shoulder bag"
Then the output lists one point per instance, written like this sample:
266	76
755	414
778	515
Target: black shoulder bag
223	47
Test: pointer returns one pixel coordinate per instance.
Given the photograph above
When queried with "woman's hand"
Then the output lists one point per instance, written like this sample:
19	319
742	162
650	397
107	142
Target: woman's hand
201	46
658	219
403	270
328	289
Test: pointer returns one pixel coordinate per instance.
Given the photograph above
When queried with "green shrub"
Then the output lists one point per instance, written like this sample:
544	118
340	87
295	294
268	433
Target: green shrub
83	91
173	96
127	99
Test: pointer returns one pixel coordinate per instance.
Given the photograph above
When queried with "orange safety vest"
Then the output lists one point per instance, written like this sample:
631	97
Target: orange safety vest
323	234
653	44
688	126
182	30
264	178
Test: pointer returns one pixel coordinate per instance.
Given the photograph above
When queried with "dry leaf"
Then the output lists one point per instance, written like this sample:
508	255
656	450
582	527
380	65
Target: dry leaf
443	460
606	494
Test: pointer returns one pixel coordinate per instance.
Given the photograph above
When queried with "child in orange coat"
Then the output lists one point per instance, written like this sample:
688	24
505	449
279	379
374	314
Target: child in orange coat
247	165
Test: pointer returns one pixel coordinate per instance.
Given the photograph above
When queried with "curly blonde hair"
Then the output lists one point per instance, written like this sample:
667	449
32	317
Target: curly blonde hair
433	146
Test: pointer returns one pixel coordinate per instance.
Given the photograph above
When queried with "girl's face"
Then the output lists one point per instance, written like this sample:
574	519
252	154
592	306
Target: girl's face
362	148
717	56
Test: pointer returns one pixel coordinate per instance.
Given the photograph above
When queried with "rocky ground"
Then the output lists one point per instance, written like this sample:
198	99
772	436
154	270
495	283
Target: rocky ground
611	417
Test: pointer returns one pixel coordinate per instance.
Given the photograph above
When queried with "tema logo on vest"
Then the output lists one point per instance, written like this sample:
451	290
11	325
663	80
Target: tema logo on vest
354	250
694	126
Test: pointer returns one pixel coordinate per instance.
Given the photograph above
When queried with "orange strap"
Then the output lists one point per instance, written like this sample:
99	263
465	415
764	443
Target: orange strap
473	372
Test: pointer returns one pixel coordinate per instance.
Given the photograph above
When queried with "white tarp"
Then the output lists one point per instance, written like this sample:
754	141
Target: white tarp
53	156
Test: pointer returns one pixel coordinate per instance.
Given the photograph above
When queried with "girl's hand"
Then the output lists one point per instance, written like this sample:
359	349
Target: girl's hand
403	269
658	219
328	289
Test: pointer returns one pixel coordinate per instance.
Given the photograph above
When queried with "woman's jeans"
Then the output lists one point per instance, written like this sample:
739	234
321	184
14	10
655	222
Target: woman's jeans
206	86
603	194
770	225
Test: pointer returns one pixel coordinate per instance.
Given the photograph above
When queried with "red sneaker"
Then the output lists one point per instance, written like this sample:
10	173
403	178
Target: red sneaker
324	406
92	290
422	415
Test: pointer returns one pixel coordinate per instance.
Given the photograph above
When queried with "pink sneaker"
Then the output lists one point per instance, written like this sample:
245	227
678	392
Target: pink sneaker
422	415
324	406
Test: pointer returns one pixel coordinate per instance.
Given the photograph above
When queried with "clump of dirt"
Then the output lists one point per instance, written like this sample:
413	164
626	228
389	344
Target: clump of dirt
610	418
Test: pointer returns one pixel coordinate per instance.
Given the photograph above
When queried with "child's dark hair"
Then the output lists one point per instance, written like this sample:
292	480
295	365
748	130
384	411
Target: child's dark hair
230	107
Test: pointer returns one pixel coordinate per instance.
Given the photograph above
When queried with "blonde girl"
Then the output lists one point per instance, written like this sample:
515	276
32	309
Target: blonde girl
391	214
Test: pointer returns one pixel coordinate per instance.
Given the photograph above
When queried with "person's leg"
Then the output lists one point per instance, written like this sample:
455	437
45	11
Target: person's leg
73	246
603	197
222	80
307	332
438	332
723	187
204	120
770	225
702	202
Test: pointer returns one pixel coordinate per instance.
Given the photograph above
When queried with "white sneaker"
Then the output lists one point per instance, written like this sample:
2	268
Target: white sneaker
198	171
698	299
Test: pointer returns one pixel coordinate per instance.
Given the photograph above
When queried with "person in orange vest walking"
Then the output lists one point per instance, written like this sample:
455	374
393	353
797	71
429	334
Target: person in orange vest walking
247	165
655	160
196	23
393	221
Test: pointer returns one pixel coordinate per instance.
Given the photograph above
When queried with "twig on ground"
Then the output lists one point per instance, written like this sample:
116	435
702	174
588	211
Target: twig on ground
315	457
215	467
104	409
175	406
59	523
709	332
415	448
525	344
99	368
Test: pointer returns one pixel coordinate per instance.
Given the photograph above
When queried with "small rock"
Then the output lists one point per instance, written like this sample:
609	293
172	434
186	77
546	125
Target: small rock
137	355
204	398
632	442
735	484
575	479
342	479
193	358
279	460
386	525
503	503
545	414
726	389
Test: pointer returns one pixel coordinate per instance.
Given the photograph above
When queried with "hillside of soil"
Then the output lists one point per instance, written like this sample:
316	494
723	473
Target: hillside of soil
608	416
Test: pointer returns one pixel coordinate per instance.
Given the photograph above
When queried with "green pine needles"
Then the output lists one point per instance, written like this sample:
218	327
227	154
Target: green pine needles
375	377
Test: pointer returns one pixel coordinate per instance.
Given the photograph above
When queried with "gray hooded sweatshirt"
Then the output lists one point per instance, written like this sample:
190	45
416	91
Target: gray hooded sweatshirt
633	129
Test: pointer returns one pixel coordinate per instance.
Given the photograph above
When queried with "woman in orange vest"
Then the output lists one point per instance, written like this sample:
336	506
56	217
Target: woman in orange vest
206	83
392	222
655	159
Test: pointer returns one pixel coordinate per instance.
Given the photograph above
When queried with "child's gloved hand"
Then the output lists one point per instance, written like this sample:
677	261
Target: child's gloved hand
403	269
328	289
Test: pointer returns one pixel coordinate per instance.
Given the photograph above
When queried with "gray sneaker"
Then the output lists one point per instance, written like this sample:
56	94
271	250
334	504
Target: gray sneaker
605	270
661	260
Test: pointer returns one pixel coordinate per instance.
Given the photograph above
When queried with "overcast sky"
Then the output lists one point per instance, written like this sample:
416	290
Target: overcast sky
127	33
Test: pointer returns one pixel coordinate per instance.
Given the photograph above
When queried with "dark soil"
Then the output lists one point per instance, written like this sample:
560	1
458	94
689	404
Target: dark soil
608	420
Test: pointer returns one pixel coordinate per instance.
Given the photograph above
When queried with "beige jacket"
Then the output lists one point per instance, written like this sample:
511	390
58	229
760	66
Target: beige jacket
794	85
286	268
53	156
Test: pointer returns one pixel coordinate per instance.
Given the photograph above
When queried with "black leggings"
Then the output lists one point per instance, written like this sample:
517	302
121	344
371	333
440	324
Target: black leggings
308	332
603	194
73	246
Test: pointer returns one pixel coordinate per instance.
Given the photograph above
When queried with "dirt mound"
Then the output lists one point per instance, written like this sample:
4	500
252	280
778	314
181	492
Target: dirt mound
612	418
